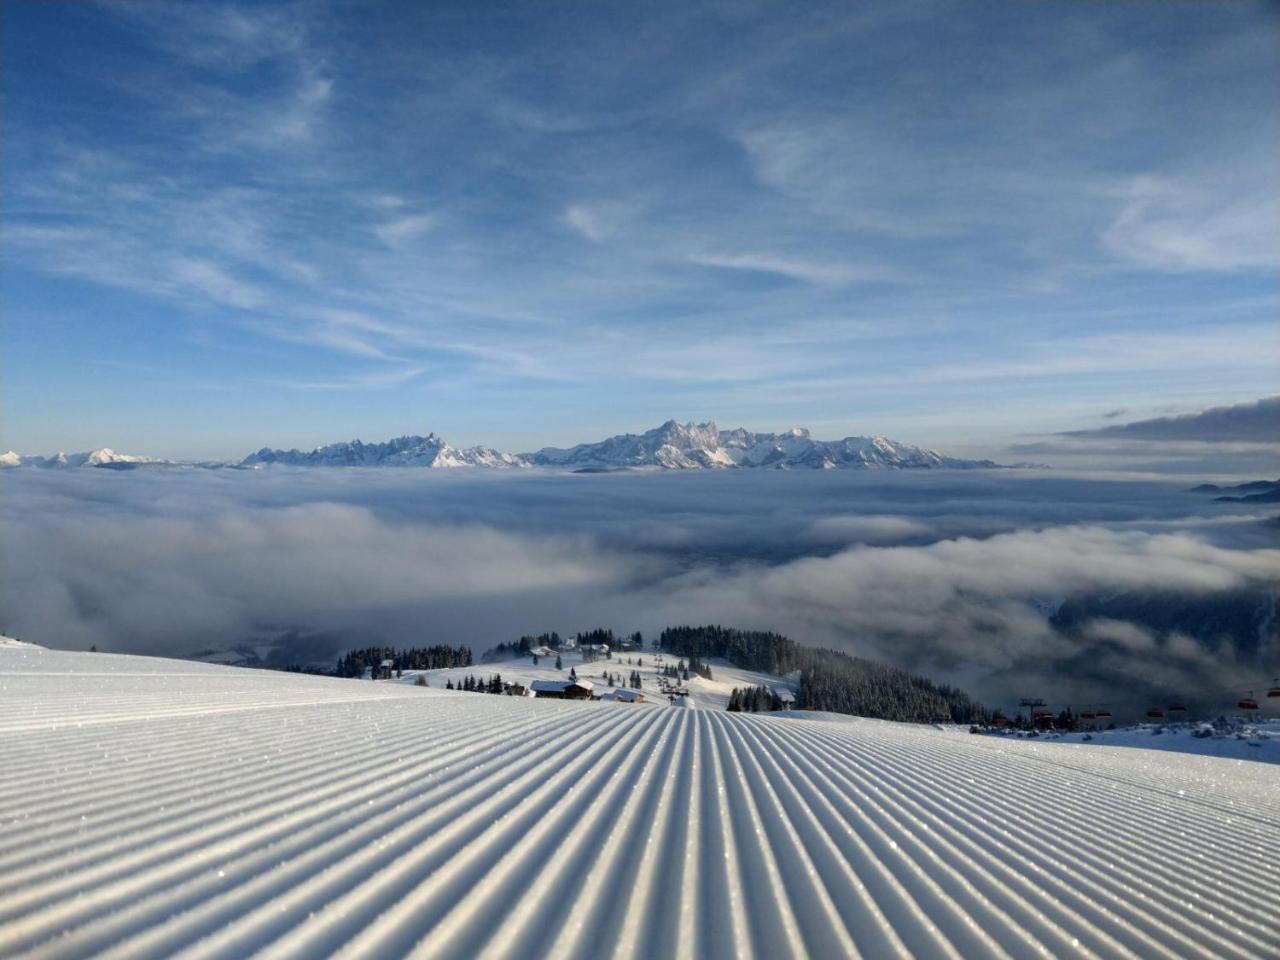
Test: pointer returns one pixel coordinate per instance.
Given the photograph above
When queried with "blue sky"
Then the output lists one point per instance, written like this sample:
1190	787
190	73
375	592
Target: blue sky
956	224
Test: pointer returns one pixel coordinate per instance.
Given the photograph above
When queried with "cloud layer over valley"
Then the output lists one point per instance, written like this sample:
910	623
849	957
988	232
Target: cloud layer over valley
956	575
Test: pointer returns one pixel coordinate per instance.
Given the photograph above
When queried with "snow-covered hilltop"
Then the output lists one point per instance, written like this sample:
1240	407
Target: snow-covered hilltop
672	446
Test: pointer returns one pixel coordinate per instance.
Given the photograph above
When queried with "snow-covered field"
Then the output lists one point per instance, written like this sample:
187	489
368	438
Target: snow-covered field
1237	739
705	694
167	808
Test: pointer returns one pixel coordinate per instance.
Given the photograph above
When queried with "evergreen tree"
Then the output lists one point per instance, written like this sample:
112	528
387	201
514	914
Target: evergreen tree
355	662
559	664
829	679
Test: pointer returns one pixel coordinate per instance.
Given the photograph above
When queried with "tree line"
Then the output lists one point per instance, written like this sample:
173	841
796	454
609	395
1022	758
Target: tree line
521	647
510	650
440	656
829	680
753	699
494	684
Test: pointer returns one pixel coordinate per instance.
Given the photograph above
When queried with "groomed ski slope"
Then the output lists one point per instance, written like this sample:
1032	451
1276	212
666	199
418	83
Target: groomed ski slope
163	808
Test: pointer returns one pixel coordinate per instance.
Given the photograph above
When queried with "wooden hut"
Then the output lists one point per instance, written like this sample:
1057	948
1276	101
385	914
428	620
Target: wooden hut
564	689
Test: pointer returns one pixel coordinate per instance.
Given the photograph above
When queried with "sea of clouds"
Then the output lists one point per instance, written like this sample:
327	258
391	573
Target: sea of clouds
950	573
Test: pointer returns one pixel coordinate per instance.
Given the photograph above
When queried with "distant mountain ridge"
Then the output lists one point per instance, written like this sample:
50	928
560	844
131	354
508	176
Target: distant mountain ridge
1255	491
671	446
428	451
102	457
703	446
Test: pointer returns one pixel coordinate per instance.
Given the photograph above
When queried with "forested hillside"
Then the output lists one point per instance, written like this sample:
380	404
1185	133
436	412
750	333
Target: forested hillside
829	679
435	657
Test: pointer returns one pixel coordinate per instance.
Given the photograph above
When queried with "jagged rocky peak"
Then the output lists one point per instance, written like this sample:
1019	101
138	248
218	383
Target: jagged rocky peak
407	451
689	446
670	446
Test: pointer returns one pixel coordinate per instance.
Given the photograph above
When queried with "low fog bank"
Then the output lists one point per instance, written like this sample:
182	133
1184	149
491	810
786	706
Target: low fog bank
959	575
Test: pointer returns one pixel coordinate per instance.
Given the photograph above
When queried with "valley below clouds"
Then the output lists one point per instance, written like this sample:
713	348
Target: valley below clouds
1010	584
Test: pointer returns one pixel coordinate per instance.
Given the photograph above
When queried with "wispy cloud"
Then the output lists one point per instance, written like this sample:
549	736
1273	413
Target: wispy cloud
223	42
402	230
377	380
791	219
1216	220
216	283
807	271
588	222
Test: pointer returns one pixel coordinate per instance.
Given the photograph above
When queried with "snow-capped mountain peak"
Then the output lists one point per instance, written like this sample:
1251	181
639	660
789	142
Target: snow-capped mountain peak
105	455
692	446
669	446
409	451
102	457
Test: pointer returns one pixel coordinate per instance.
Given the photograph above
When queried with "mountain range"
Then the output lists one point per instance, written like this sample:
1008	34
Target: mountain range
671	446
102	457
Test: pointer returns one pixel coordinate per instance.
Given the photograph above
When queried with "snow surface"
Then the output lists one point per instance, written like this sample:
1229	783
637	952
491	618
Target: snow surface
710	694
1237	738
166	808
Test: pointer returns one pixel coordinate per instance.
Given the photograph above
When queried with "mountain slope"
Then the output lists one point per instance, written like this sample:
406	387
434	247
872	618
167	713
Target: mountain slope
672	446
690	446
412	451
178	809
102	457
1255	491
